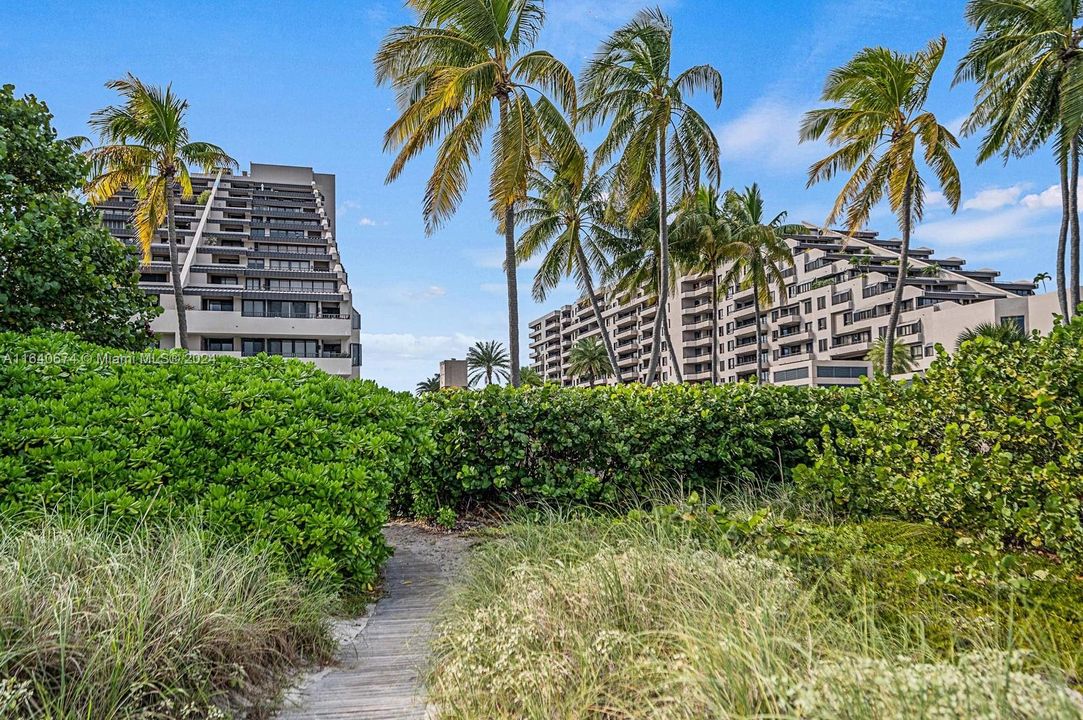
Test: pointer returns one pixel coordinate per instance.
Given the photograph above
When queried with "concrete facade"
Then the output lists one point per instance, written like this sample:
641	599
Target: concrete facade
453	374
836	304
260	268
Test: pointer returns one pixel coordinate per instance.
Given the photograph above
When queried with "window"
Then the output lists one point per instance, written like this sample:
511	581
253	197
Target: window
830	371
792	374
823	345
218	344
153	278
821	324
252	284
229	260
821	303
252	346
930	351
808	306
1017	320
218	304
915	351
255	263
221	280
291	348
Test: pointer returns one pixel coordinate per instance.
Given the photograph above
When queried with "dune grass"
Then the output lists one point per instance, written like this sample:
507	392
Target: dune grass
721	612
156	623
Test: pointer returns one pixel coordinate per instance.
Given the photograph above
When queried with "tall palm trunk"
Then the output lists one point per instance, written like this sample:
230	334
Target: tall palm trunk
759	334
663	261
584	269
1073	198
714	326
900	282
174	266
1062	239
672	351
511	270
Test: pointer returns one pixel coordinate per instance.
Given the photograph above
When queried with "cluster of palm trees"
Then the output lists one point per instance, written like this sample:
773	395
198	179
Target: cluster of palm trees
467	67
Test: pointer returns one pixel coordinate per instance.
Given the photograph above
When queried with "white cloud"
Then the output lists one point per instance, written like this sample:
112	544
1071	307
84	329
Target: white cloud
366	222
935	199
401	360
769	133
994	198
1048	198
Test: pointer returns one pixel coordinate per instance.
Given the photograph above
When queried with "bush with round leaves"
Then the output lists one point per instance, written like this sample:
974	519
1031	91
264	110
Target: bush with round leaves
267	449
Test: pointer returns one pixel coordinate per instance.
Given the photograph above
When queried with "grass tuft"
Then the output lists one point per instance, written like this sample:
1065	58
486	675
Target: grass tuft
164	622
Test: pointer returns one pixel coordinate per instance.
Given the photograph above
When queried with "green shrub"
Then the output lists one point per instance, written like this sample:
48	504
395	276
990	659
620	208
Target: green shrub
156	623
989	439
604	445
267	449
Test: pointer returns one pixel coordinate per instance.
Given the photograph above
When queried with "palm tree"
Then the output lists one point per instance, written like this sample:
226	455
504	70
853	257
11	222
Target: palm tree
758	254
487	360
629	80
529	377
901	363
635	268
1027	59
566	216
429	385
449	69
145	146
701	236
588	357
878	126
1041	278
1004	332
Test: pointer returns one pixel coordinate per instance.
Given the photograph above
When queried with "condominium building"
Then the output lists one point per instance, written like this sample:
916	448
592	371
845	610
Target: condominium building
259	266
837	302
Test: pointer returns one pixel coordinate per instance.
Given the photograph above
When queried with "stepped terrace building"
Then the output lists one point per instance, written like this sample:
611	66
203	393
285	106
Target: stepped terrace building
260	268
836	304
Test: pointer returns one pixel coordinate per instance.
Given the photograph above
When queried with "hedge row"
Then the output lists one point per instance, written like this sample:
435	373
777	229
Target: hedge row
604	445
268	449
989	439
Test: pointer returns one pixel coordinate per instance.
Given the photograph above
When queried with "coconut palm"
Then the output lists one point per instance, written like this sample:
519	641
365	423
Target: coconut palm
758	254
565	213
1041	278
634	267
1004	332
1027	60
878	125
701	236
654	134
588	357
459	60
429	385
488	361
901	363
529	377
145	146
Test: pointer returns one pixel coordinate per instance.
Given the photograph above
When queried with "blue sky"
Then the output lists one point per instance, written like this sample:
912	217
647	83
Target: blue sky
292	82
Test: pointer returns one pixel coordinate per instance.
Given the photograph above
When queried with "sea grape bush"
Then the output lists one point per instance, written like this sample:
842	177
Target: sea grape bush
989	439
606	445
266	449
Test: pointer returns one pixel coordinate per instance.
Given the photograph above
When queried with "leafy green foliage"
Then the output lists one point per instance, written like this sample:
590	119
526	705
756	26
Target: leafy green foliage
607	444
271	450
990	438
59	267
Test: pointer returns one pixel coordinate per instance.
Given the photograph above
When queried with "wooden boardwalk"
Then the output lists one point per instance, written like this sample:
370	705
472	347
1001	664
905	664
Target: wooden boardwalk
378	673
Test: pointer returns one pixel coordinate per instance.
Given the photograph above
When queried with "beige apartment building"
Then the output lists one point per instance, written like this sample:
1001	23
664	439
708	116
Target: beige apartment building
260	268
837	302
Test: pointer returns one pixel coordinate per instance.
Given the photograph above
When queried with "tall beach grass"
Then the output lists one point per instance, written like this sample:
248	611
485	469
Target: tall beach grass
587	617
156	623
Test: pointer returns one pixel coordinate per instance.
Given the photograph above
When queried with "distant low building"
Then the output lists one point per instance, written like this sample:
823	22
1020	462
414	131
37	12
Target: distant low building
453	373
260	268
838	299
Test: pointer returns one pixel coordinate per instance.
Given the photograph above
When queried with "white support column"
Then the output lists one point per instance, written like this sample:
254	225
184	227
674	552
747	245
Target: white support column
190	257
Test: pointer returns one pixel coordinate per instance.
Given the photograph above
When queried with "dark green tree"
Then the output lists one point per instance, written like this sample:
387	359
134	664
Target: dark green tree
60	269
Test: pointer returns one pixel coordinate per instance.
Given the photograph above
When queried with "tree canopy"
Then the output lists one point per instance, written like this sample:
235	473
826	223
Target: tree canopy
60	269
